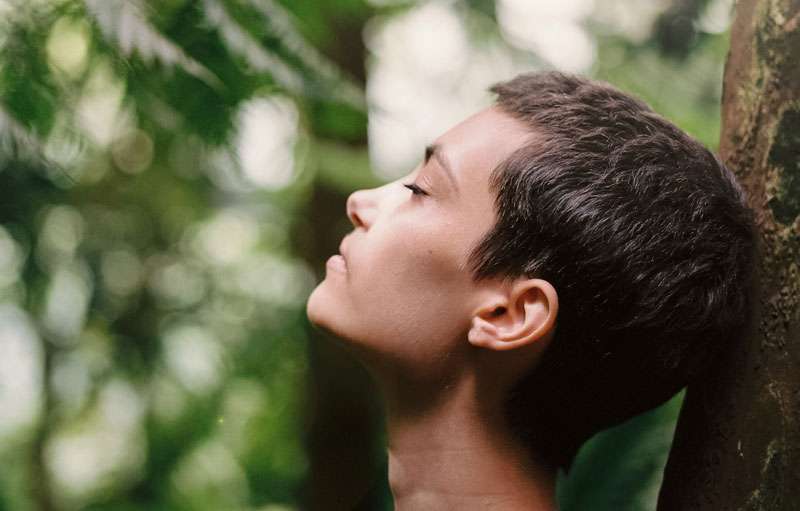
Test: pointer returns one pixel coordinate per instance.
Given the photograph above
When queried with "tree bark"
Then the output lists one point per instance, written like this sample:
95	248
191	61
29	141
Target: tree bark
737	443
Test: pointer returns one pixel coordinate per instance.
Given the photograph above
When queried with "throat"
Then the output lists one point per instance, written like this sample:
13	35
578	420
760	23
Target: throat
454	458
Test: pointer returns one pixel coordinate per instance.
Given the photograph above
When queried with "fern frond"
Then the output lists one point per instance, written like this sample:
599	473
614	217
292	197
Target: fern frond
123	22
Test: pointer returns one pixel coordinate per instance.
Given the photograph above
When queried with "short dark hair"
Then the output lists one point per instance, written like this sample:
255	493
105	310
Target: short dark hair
645	236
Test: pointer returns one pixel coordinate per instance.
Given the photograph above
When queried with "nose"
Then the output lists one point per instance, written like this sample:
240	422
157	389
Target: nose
360	209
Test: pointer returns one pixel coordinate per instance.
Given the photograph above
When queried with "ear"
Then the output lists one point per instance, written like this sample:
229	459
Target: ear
515	315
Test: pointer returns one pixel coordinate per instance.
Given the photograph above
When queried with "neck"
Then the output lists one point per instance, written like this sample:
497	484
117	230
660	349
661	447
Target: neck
457	453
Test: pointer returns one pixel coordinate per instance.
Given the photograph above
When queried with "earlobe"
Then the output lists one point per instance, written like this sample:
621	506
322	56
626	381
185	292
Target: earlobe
524	314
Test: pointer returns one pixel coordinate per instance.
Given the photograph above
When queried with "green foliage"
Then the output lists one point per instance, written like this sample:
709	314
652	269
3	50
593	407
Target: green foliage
621	468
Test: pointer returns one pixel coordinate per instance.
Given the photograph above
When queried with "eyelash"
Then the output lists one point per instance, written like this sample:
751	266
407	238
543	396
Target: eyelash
416	190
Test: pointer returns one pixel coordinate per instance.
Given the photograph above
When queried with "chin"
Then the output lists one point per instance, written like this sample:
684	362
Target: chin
325	311
315	306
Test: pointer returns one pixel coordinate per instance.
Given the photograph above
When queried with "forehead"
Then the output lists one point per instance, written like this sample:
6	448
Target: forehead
475	146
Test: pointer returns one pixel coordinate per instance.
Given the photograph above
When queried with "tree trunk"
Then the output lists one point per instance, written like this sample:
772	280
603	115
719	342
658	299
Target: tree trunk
737	443
346	458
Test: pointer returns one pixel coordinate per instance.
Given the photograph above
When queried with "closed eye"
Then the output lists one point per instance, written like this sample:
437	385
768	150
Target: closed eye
416	190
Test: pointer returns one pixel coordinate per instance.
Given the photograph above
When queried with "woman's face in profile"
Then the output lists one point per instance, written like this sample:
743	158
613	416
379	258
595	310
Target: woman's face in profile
402	294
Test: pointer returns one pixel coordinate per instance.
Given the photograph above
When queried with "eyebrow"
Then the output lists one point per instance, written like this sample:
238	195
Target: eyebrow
436	151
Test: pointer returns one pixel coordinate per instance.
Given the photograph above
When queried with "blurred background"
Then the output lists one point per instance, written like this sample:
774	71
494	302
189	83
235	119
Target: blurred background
173	176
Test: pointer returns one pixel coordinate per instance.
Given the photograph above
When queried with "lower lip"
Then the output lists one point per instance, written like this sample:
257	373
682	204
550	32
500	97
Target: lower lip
336	263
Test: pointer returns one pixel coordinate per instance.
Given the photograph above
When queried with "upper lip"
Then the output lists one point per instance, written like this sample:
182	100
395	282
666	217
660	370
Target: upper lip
343	249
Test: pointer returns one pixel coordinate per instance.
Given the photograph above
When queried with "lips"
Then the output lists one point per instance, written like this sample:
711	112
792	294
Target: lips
338	262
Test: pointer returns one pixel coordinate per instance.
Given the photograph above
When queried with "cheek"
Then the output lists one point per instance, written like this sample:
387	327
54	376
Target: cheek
415	257
410	279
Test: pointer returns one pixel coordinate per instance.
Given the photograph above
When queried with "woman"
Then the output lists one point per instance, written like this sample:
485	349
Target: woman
558	263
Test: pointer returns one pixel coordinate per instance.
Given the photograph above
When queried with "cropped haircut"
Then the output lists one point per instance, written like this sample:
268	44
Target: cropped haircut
644	234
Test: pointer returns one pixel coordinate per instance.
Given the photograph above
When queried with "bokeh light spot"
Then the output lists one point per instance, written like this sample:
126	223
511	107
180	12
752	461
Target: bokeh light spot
266	140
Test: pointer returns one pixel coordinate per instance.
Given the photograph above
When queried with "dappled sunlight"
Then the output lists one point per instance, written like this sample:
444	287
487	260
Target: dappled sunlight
121	271
211	476
99	111
427	74
633	20
717	16
68	46
175	283
132	151
67	303
63	229
265	142
193	357
230	241
169	399
12	258
71	382
245	400
226	237
103	450
274	280
431	38
20	371
66	147
553	30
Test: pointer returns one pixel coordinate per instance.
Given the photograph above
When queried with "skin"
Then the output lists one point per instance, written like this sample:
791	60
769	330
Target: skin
444	349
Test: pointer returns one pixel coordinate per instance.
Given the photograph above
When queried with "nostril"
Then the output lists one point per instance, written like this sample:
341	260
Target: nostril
352	206
356	220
